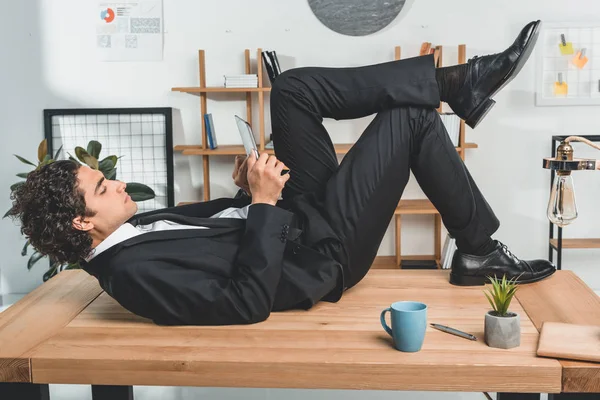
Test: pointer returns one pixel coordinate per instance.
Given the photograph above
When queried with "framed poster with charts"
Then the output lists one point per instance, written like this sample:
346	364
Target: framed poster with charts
568	64
141	137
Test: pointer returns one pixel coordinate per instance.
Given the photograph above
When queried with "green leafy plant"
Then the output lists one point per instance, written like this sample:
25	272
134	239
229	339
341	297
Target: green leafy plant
501	294
90	157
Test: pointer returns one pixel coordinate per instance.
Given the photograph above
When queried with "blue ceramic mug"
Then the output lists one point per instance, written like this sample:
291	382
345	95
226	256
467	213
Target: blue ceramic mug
409	322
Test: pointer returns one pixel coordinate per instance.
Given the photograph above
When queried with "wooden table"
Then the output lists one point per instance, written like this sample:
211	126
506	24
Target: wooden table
69	331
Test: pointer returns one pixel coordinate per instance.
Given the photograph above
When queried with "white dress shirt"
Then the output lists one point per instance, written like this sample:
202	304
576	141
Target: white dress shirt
127	231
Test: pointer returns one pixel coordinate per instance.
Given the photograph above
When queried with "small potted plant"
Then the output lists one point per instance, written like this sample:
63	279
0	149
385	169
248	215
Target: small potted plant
502	327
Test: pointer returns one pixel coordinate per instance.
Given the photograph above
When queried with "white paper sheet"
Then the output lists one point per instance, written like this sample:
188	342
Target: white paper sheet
129	30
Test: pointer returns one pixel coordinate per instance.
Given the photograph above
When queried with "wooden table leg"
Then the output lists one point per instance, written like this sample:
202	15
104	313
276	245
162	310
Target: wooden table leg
398	240
24	391
518	396
438	239
574	396
109	392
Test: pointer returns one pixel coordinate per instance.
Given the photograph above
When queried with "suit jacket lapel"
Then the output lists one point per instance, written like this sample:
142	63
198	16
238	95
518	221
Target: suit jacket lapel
175	234
99	263
212	223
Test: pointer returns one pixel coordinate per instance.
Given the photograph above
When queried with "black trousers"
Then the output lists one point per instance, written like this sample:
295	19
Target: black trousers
359	195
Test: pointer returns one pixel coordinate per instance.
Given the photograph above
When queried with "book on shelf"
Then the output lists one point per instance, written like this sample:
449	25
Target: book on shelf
271	64
448	252
273	55
210	131
452	124
241	81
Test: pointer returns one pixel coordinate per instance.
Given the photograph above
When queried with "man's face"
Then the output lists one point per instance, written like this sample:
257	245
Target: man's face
107	198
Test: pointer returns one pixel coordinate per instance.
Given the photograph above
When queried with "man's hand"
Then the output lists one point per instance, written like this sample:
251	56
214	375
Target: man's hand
265	179
240	174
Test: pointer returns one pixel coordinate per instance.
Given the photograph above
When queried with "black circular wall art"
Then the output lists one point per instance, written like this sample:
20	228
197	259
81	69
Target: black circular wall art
356	17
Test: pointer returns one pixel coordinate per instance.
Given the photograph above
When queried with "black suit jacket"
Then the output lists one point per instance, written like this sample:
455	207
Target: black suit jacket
236	272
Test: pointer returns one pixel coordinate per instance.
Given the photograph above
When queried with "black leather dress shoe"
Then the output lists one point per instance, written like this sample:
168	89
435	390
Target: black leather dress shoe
489	74
470	270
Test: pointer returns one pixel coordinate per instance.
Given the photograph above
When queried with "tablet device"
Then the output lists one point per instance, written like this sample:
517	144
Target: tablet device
247	136
248	139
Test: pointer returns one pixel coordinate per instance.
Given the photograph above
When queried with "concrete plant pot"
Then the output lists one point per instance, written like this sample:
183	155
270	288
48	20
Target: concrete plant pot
502	332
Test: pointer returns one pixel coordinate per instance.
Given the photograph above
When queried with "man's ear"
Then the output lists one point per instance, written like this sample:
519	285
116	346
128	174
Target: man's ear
82	225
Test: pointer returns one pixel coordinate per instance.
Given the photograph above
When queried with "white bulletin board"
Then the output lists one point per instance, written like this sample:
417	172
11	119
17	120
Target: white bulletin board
583	84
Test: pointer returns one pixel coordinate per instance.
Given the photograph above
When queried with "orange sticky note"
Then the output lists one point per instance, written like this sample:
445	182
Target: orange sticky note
580	59
561	89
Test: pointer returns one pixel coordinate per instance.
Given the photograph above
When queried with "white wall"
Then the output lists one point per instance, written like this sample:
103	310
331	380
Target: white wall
48	64
51	64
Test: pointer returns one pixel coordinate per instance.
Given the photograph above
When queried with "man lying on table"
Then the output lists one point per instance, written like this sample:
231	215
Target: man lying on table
235	260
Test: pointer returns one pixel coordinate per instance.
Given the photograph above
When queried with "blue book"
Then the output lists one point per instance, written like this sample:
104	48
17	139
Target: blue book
208	137
210	131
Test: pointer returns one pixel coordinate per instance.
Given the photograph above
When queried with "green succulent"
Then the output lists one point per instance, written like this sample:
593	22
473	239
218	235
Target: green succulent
501	294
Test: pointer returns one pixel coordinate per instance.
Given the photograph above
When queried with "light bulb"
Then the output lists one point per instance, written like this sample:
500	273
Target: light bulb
562	209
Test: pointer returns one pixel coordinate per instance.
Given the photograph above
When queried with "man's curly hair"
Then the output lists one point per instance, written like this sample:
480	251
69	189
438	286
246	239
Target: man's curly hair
46	205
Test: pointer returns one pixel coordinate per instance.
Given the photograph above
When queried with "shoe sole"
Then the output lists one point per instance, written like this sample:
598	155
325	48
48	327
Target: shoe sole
482	109
468	280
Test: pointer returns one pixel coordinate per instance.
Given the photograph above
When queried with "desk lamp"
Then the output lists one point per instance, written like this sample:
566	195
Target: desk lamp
562	209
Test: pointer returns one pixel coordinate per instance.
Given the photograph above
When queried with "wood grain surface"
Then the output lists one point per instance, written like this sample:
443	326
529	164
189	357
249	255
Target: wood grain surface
564	297
39	316
335	346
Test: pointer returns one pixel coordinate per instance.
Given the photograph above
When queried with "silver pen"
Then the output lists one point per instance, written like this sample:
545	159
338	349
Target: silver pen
453	331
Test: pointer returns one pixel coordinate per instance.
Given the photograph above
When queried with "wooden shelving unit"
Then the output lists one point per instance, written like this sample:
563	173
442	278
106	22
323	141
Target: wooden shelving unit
232	150
576	243
424	206
202	91
198	90
418	207
405	207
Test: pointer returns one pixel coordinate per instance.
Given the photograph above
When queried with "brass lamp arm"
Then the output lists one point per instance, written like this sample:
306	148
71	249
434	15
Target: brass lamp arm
571	165
564	160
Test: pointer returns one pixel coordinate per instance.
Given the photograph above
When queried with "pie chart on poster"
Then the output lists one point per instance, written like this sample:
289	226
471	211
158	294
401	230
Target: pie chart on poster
107	15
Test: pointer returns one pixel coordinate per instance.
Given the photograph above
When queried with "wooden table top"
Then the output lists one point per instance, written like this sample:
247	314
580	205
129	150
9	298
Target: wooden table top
69	331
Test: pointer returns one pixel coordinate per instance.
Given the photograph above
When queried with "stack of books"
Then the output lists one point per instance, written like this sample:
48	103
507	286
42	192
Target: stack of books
241	81
452	124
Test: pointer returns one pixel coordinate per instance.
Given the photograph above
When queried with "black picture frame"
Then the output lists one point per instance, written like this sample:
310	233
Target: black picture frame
167	112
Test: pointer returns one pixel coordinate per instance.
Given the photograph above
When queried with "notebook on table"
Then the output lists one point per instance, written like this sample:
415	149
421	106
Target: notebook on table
570	341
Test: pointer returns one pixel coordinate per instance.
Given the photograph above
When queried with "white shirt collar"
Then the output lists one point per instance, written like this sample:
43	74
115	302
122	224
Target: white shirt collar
122	233
127	230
